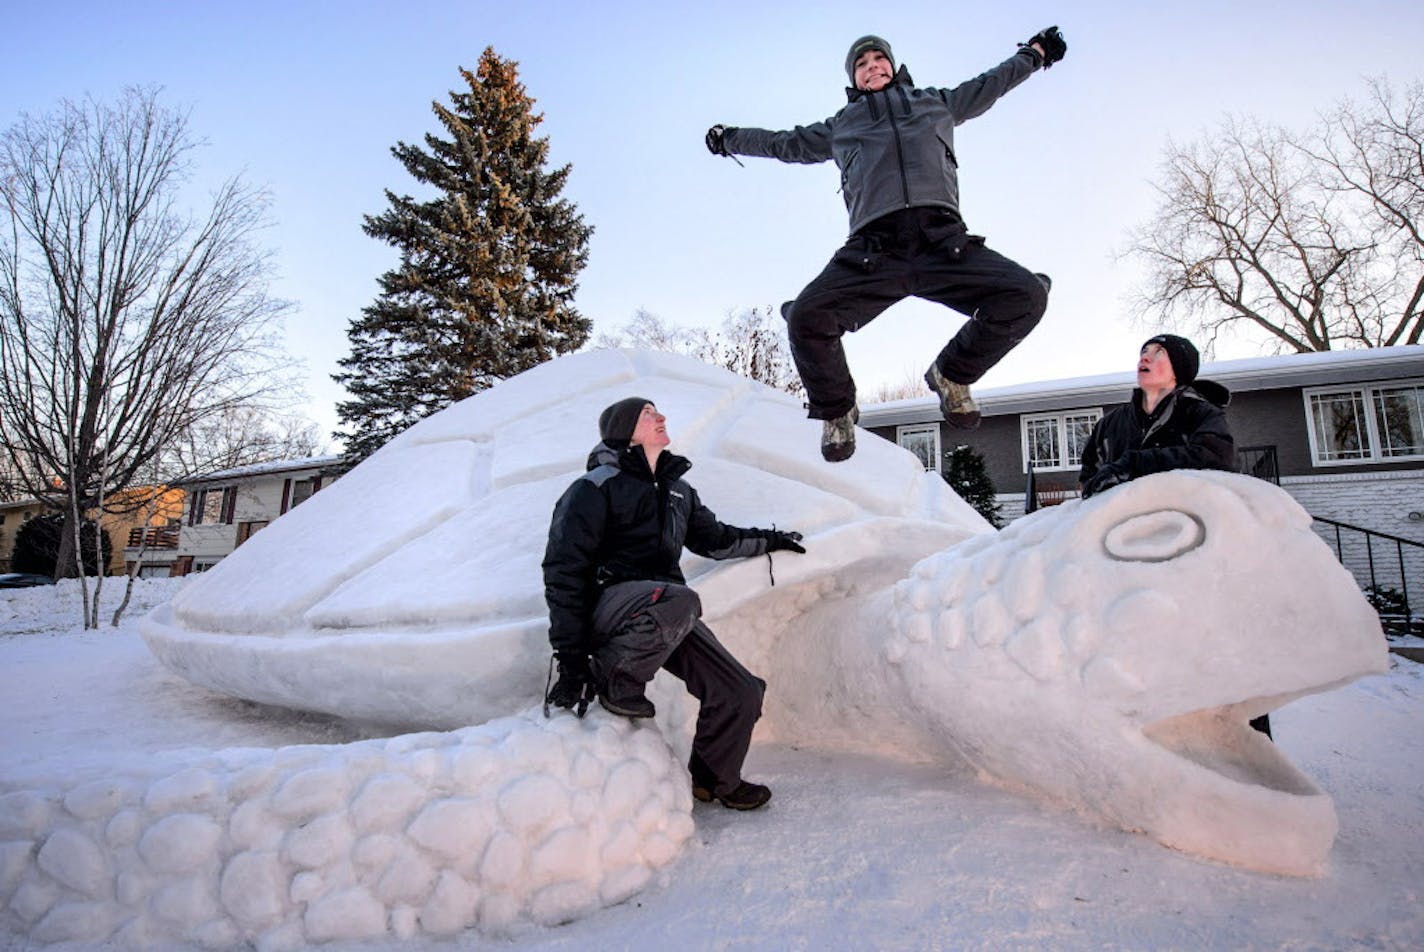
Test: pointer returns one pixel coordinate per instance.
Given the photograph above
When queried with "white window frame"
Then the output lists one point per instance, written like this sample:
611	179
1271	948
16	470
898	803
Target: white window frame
921	429
1060	417
1367	394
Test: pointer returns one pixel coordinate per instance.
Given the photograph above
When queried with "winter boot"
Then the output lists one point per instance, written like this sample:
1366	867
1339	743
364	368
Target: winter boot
747	796
838	436
634	705
955	402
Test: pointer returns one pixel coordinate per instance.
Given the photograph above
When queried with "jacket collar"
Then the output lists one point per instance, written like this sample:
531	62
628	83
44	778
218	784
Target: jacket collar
634	462
901	78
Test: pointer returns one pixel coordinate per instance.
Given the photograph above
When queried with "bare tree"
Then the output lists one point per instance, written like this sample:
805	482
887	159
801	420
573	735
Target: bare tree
751	342
125	322
1309	241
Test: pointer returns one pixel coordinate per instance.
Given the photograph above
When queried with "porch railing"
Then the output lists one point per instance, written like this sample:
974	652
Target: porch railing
153	537
1389	562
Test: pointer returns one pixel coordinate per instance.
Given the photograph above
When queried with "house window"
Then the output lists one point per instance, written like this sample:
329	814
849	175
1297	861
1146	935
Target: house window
922	440
1056	440
211	506
1378	423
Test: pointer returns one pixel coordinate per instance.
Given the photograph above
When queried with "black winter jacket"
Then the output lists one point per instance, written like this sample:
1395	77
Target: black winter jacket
895	146
1186	430
621	522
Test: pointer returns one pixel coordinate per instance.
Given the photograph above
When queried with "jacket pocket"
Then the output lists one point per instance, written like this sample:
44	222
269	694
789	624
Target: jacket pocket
859	252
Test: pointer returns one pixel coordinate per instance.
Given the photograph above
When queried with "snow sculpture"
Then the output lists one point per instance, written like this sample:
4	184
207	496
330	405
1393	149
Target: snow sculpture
1107	653
515	821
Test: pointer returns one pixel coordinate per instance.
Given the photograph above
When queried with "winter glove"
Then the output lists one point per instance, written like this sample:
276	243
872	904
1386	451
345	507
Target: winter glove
575	684
715	143
777	541
1107	476
1051	42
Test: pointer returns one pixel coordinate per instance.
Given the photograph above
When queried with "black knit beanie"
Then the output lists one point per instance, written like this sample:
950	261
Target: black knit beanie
616	424
1183	355
862	45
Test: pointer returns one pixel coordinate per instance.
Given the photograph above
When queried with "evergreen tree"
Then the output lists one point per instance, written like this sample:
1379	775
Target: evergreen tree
37	545
967	475
487	271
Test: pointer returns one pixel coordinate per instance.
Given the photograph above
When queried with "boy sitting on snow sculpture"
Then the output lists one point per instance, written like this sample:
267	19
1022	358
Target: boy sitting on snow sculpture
619	608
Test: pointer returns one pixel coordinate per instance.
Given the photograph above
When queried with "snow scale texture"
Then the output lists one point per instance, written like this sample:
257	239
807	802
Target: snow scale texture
1105	653
519	820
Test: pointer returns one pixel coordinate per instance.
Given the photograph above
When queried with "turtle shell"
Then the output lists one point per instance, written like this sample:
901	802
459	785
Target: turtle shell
410	592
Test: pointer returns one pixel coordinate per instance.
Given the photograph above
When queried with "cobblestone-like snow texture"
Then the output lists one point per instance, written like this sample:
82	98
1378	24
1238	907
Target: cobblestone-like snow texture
520	820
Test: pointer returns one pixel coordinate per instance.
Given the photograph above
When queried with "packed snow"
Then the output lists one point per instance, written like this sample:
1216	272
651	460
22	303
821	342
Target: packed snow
856	851
1099	659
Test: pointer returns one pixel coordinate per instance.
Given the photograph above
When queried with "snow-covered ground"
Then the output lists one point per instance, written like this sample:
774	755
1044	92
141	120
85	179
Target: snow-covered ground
855	852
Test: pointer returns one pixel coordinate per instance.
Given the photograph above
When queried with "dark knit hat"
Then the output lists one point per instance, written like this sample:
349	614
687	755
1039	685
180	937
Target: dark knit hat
862	45
1183	355
616	424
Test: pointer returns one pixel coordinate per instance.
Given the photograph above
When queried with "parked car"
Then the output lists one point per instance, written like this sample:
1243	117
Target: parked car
23	580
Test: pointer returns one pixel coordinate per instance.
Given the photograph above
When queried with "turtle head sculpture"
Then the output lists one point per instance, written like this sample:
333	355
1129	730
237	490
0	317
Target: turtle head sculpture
1108	653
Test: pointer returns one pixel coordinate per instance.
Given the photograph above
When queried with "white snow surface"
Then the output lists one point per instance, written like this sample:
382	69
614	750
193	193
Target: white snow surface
856	851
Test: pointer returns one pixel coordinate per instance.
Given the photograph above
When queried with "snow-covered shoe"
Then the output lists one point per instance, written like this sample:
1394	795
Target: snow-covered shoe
635	706
838	436
747	796
955	402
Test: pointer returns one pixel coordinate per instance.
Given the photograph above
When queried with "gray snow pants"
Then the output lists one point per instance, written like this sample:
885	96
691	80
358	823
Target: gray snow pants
639	627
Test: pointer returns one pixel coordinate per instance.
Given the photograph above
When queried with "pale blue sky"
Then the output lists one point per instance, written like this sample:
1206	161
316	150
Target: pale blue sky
307	98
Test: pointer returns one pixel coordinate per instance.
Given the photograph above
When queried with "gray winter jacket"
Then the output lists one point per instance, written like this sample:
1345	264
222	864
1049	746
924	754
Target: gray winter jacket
894	147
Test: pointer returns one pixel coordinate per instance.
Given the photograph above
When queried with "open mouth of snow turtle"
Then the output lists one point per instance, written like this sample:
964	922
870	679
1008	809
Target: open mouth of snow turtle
1221	740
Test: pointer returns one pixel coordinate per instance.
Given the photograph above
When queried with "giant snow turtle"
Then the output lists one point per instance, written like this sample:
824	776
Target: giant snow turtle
1107	652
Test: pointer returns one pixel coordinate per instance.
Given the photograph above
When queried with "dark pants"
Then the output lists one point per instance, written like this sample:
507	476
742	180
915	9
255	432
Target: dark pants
918	252
640	627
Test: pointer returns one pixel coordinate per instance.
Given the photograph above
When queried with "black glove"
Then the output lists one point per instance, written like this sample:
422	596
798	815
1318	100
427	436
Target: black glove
777	541
715	135
1107	476
575	684
1052	44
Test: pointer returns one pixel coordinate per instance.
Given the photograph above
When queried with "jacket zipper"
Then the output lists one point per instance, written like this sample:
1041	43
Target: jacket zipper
899	145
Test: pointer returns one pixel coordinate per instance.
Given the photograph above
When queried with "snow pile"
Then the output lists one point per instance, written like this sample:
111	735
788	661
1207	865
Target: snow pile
49	606
517	821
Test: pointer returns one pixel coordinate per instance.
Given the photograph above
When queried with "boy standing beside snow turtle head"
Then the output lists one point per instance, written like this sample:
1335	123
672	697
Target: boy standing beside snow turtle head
894	145
619	606
1173	421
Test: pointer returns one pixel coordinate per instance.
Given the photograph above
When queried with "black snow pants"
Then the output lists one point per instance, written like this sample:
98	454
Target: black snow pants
639	627
916	252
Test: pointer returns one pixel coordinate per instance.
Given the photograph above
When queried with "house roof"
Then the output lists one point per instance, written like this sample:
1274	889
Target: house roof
269	468
1254	373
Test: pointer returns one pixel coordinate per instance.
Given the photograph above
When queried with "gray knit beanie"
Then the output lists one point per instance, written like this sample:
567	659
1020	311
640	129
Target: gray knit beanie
862	45
617	423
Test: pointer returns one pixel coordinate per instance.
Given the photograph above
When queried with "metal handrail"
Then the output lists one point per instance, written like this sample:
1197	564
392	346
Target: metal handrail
1408	623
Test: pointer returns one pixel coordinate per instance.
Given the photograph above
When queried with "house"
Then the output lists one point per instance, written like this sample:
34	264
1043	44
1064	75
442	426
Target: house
129	515
1341	431
225	508
12	516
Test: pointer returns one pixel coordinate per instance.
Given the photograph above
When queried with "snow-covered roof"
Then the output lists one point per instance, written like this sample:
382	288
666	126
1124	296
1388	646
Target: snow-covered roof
265	469
1253	373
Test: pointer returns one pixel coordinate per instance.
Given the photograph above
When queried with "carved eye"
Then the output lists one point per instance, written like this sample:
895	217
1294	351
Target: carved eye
1154	536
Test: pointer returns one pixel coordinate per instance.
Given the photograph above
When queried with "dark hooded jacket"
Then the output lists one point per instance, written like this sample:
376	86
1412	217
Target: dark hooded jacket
894	146
1186	430
621	522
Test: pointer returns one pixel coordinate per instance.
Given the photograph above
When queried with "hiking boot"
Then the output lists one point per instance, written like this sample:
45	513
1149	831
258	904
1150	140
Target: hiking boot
701	792
955	402
747	796
634	706
838	436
